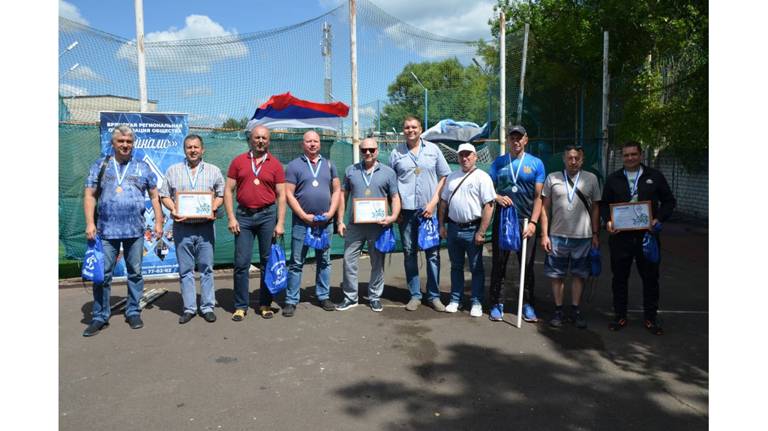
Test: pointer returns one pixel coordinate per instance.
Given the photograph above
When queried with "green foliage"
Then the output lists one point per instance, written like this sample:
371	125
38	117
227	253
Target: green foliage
658	67
234	124
455	91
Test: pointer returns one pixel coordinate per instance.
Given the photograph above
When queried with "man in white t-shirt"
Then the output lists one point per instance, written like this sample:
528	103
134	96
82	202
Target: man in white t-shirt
466	205
570	226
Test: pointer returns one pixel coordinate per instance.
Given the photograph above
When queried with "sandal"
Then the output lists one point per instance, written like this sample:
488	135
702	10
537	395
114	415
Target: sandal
618	324
238	315
266	312
653	326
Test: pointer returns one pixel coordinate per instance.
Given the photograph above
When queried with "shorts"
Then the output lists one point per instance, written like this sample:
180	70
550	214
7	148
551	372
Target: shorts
573	252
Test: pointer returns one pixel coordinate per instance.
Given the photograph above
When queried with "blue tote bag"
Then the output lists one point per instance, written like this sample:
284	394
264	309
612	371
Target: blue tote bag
509	231
386	242
93	262
276	272
429	235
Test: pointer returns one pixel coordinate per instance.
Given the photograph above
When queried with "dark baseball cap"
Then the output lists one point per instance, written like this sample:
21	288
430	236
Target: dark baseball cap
515	129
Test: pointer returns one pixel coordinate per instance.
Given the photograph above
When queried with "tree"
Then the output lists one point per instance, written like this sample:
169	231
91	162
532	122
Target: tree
234	124
658	66
455	91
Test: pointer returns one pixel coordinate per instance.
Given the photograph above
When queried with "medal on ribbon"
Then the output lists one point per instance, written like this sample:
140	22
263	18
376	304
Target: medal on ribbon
315	172
257	171
569	193
119	188
367	179
515	173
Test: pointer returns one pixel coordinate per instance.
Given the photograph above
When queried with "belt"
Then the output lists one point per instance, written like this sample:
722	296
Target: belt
255	210
472	223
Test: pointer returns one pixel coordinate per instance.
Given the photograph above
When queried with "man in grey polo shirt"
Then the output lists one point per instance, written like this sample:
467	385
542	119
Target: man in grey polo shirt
421	170
312	188
364	180
570	226
194	238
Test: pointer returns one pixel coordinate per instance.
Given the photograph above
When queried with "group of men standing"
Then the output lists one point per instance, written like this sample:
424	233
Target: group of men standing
417	183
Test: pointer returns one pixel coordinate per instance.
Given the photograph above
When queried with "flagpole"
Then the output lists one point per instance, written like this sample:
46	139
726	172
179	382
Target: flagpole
353	63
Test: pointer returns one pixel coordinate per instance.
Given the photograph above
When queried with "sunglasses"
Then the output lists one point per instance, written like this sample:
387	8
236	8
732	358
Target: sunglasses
368	150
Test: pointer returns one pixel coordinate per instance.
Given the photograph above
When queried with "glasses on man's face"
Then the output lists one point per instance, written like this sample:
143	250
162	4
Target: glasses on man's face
368	150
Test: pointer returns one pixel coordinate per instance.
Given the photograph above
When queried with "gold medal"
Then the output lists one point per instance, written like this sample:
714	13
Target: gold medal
256	181
417	171
119	189
367	192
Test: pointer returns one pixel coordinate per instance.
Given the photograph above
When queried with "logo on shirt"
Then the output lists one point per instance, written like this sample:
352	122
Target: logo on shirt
527	169
649	181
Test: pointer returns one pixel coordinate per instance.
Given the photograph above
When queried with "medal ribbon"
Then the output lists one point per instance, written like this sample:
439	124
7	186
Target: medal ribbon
415	159
569	193
515	173
319	163
633	189
261	165
366	178
117	172
197	174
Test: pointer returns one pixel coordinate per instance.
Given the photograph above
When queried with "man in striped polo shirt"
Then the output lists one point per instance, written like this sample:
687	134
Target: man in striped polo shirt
194	237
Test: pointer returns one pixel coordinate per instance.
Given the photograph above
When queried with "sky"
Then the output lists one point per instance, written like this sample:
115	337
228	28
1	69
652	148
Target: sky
459	19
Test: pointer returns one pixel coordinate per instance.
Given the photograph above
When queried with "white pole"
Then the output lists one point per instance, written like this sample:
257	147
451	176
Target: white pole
522	281
522	76
139	5
353	61
606	107
502	82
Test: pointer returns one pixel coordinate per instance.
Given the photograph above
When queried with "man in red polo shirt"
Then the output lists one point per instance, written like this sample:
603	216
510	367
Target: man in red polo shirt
259	179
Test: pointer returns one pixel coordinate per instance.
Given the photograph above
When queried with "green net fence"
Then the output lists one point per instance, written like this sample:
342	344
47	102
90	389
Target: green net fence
220	81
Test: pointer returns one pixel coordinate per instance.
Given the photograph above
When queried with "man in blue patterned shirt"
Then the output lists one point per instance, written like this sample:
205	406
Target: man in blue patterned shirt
115	187
194	237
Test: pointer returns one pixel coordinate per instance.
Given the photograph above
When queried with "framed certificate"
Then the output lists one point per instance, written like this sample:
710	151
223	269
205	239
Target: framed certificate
369	210
194	204
631	215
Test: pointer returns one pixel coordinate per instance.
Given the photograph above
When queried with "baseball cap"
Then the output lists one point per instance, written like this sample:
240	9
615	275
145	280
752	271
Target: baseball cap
466	147
512	128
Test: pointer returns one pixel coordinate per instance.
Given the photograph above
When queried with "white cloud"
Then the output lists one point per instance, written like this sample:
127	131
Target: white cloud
70	12
162	54
85	73
199	91
456	19
67	90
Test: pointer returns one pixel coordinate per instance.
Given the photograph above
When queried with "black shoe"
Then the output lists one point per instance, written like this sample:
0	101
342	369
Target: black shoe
557	320
328	305
94	328
618	324
288	310
134	321
653	326
209	316
346	304
186	317
580	321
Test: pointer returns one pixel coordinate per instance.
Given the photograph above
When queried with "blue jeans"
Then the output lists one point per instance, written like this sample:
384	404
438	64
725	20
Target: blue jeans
133	252
461	241
296	264
409	234
195	242
253	225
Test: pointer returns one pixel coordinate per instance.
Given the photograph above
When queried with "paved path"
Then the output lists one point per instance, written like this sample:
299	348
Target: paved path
359	370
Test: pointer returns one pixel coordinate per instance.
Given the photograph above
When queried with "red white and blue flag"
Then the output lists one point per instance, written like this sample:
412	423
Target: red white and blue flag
284	110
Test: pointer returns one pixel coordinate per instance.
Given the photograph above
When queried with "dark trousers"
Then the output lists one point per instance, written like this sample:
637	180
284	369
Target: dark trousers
260	226
626	247
499	269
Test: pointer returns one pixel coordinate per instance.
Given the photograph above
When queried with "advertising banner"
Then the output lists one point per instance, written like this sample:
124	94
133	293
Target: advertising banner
159	142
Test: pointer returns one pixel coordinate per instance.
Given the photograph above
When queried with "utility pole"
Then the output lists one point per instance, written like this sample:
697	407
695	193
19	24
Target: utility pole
141	63
522	75
326	52
502	82
606	107
353	64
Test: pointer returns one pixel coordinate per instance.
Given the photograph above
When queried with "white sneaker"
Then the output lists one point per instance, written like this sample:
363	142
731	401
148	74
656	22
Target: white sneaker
476	311
452	307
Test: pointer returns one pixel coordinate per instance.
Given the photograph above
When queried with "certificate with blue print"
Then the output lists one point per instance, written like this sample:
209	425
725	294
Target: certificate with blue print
194	204
369	210
631	216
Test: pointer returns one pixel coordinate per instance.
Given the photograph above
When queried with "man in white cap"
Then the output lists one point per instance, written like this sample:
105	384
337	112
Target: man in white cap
466	205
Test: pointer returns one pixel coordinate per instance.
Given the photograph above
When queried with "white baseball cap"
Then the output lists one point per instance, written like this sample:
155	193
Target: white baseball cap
466	147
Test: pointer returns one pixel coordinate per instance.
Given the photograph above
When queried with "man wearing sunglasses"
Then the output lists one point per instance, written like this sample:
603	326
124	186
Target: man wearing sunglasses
368	179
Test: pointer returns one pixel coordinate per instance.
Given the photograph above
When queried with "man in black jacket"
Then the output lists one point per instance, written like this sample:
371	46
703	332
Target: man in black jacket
635	182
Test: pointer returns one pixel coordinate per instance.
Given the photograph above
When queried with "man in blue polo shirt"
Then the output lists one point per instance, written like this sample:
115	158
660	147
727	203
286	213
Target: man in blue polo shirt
421	171
365	180
518	178
312	188
115	187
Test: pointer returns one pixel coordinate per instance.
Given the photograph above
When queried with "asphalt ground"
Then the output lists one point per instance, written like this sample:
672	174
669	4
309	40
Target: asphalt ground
359	370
